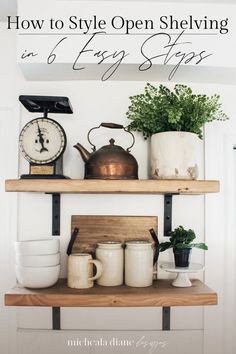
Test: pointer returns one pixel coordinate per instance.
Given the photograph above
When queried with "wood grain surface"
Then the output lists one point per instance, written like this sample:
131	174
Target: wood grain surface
112	186
98	228
162	293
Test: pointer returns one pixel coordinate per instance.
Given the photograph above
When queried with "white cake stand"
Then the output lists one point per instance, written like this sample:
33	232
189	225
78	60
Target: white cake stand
182	279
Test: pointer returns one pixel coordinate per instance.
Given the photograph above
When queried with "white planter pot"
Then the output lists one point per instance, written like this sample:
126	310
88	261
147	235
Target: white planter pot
175	155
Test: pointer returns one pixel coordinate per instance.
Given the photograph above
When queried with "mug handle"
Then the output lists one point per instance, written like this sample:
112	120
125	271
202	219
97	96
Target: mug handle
98	266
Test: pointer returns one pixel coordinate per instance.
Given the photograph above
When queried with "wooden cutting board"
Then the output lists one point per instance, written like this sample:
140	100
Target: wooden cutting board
97	228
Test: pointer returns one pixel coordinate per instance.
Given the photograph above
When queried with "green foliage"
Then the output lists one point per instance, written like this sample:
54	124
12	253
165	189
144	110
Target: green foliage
160	109
181	238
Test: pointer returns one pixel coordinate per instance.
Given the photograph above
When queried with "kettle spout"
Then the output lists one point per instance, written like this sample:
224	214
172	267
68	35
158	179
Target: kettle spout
83	152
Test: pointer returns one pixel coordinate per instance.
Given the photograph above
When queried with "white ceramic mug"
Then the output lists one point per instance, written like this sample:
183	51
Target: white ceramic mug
80	270
139	263
111	254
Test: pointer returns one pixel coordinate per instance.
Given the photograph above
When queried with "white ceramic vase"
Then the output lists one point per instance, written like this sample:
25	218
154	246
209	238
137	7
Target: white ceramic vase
175	155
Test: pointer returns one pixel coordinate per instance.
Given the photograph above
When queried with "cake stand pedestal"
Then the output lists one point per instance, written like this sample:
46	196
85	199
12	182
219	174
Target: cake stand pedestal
182	279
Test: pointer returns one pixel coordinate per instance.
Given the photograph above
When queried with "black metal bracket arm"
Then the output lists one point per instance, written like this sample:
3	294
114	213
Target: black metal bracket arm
56	206
166	318
167	214
56	212
167	230
56	318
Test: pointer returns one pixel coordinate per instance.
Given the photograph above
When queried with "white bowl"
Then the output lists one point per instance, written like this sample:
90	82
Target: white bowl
37	247
45	260
37	277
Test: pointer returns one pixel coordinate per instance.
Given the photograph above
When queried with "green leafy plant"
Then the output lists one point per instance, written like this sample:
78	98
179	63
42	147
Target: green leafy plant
160	109
181	238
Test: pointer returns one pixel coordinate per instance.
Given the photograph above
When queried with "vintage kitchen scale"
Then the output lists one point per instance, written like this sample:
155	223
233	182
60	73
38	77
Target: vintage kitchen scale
42	141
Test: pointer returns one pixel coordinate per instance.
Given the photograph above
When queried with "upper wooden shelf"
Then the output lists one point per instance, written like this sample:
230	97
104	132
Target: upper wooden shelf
112	186
161	294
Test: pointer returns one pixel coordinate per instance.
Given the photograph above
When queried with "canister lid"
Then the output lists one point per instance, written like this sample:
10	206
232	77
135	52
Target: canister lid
109	244
138	243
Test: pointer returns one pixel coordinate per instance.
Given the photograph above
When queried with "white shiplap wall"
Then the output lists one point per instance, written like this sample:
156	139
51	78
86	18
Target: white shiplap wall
93	102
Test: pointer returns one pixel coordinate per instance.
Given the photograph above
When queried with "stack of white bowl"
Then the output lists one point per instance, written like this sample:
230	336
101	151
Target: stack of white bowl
37	262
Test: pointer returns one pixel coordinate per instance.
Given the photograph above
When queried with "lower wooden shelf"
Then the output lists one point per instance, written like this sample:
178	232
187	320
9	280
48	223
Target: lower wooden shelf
161	294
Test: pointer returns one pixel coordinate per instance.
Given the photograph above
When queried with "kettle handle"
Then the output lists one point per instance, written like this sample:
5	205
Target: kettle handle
112	126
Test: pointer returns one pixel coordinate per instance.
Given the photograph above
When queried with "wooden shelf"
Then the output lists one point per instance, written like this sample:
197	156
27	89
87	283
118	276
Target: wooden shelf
113	186
161	294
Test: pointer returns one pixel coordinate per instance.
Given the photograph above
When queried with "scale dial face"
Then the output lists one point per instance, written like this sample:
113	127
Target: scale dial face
42	141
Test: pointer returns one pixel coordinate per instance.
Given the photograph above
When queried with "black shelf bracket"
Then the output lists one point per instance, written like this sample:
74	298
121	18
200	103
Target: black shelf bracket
56	212
167	214
166	318
167	230
56	318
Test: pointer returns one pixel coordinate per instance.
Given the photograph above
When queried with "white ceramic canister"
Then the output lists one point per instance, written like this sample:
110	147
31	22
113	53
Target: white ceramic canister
111	255
139	263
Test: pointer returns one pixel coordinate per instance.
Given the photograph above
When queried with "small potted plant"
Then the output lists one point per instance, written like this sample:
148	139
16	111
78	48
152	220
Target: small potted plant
181	241
174	120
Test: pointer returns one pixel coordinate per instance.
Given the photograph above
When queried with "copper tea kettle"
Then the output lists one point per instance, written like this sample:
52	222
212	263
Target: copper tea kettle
110	161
